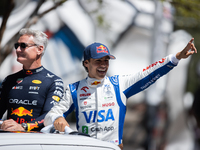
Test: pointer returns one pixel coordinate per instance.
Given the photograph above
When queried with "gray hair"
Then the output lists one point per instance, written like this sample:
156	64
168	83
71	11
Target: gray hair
39	37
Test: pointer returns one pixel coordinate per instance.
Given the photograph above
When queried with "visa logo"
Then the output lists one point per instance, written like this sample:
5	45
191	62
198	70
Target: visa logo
102	116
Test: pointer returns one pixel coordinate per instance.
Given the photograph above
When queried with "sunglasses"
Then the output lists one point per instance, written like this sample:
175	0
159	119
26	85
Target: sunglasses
23	45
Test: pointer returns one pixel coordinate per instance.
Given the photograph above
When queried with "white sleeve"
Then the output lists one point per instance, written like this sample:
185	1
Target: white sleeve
135	83
173	59
58	109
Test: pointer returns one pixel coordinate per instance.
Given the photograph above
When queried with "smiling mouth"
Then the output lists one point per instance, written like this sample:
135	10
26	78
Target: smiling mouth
102	71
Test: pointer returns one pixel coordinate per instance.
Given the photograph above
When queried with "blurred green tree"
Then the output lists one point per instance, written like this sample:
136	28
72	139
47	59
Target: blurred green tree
6	7
187	17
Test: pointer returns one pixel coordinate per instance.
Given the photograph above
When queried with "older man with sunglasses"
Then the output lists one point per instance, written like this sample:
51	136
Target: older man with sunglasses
30	93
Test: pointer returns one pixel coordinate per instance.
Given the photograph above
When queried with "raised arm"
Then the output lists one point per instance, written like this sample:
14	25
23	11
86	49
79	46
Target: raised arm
187	51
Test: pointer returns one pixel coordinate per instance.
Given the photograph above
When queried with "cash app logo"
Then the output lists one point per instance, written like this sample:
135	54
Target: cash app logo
85	129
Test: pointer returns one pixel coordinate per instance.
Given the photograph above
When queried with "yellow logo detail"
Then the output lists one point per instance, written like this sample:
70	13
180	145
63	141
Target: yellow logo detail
37	81
21	111
32	126
56	98
95	83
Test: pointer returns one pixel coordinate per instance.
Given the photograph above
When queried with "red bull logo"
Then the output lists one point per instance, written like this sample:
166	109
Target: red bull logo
101	49
28	72
21	111
96	83
31	126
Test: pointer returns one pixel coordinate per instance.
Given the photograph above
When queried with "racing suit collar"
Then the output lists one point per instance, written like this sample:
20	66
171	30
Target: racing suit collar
32	71
92	82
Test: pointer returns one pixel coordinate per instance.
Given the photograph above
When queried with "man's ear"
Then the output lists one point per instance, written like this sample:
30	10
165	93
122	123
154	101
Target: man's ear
40	49
85	62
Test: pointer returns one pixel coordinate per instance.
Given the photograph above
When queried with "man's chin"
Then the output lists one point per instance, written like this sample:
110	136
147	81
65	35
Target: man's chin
22	61
101	76
19	60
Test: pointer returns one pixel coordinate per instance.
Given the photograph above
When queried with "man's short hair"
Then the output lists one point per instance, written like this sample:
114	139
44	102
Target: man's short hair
39	37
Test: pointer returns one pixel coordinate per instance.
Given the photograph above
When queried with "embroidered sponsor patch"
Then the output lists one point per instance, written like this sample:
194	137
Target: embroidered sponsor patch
36	81
56	98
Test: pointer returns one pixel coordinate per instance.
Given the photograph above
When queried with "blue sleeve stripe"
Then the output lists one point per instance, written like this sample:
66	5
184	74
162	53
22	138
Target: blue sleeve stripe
122	108
148	80
73	88
69	111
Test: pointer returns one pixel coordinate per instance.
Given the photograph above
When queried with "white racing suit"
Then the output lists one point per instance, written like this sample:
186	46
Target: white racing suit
100	105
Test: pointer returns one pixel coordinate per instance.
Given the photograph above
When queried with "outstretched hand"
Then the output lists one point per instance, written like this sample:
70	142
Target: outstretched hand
187	51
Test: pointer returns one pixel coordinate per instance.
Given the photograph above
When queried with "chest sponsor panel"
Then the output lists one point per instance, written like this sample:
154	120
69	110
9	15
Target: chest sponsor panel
86	104
25	88
24	102
107	104
37	88
87	130
98	116
85	96
84	92
17	87
36	81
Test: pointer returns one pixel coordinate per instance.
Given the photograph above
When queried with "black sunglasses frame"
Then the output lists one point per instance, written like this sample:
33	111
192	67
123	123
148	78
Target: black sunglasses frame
23	45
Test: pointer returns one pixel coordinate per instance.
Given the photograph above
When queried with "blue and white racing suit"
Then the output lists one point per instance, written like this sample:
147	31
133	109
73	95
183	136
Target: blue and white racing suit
100	105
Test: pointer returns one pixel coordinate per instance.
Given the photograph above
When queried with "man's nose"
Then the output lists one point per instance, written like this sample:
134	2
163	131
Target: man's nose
18	48
103	63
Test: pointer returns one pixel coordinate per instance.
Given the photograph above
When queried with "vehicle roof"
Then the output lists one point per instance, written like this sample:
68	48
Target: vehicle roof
52	140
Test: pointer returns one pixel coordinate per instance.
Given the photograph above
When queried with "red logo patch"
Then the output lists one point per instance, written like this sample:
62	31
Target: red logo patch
84	88
95	83
101	49
28	72
162	61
